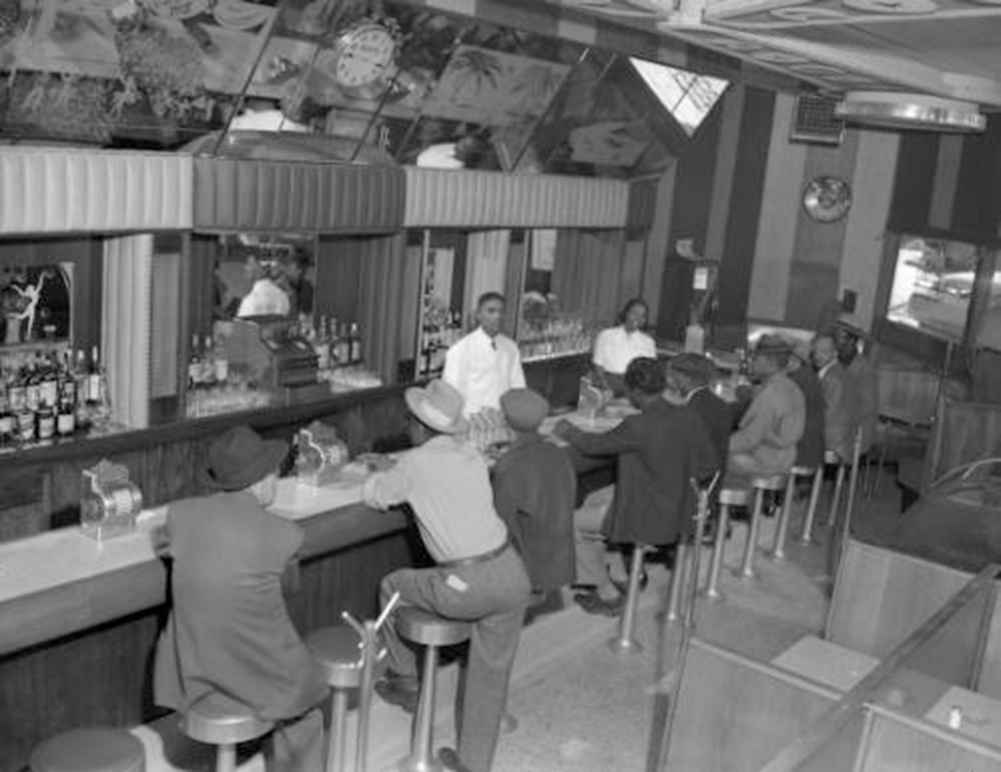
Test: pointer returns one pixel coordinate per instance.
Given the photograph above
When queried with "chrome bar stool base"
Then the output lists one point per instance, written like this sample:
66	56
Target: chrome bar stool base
432	632
625	642
778	553
760	485
338	650
729	496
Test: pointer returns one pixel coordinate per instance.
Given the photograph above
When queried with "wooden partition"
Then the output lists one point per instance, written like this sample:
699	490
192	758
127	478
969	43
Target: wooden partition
894	741
735	713
882	596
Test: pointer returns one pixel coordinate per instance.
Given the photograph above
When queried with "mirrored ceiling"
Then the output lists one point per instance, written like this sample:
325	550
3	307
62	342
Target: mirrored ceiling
352	80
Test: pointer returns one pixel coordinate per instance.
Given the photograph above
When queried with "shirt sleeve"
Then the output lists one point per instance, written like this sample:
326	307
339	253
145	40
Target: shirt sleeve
386	489
517	374
649	348
753	426
600	356
452	374
624	438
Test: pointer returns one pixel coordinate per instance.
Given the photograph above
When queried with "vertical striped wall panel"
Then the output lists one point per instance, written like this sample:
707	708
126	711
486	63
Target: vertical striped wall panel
125	326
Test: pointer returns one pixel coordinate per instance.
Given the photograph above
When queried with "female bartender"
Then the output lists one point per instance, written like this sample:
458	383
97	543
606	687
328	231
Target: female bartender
617	346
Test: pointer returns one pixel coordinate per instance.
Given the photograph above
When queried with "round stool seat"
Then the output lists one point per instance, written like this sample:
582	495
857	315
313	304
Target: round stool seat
735	497
775	482
423	627
832	457
90	750
802	471
338	650
217	721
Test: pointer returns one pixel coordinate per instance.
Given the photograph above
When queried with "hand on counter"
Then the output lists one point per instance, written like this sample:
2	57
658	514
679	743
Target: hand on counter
376	462
564	429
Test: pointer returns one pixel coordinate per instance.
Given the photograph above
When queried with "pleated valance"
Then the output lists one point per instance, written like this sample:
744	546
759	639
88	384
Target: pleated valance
474	199
259	195
60	190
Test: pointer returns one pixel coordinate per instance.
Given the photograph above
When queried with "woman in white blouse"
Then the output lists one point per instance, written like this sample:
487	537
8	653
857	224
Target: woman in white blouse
616	347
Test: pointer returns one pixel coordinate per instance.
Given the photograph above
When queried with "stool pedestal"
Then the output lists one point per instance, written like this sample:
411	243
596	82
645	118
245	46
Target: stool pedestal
760	485
818	481
676	589
433	632
214	721
782	529
90	750
625	642
338	650
729	496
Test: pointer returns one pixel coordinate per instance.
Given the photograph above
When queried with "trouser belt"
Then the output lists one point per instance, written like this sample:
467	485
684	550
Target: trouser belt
481	558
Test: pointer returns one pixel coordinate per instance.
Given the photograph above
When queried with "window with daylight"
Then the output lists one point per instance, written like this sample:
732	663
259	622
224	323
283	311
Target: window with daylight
688	96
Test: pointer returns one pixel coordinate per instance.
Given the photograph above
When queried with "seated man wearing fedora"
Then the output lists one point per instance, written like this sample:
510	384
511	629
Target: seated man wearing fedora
229	632
535	487
479	577
766	441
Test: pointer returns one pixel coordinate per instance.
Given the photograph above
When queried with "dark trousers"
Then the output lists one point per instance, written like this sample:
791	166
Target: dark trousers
492	596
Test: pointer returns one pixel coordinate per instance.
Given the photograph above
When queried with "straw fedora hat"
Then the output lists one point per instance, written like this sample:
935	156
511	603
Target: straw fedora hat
438	406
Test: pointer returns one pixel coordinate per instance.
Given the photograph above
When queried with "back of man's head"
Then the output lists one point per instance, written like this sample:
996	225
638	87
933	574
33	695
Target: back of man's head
645	376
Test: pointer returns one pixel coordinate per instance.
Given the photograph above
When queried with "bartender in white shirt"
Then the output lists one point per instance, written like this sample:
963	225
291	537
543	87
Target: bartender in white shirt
265	298
616	347
484	364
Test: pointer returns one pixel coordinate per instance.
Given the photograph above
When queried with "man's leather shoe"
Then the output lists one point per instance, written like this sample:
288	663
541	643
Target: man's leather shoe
398	690
593	603
450	760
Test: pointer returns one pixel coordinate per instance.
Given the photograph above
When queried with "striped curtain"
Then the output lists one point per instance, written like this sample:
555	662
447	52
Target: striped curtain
125	326
587	276
382	285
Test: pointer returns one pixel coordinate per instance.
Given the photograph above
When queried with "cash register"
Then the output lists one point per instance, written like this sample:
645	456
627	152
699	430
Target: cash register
272	351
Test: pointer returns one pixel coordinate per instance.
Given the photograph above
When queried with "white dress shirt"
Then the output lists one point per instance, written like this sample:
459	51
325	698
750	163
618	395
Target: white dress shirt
482	368
447	484
265	299
615	348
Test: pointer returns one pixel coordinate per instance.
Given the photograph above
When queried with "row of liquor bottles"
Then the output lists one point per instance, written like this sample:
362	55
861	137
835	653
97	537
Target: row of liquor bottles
50	394
436	339
336	344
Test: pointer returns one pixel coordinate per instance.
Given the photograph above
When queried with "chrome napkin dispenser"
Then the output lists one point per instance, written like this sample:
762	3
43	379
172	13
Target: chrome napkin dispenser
109	502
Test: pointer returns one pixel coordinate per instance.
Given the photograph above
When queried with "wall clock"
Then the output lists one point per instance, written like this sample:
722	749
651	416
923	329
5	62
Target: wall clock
361	60
827	199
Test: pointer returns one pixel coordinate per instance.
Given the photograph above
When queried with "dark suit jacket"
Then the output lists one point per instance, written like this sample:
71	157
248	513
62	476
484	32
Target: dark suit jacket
659	452
717	415
839	420
810	450
535	489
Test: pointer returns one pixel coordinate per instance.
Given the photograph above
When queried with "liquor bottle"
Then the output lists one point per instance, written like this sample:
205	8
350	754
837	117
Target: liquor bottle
194	365
81	377
49	379
354	344
46	421
26	423
221	365
6	416
208	363
33	386
66	416
67	383
94	377
321	347
16	392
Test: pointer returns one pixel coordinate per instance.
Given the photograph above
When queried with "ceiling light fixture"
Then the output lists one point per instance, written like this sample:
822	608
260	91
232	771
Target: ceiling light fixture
893	110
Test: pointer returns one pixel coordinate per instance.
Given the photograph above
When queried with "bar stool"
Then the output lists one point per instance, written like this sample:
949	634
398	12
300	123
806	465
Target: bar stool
89	750
732	494
338	650
676	590
216	722
625	642
422	627
779	545
760	485
818	482
832	457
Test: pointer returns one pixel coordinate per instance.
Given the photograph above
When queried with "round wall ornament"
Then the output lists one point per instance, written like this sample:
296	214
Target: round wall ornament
827	199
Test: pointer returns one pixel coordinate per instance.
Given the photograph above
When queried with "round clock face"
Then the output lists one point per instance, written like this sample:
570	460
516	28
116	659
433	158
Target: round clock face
363	56
827	199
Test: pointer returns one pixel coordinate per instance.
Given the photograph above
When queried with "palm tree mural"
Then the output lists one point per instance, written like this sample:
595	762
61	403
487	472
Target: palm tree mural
474	67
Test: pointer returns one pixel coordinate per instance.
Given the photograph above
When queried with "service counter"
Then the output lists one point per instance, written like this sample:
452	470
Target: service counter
81	618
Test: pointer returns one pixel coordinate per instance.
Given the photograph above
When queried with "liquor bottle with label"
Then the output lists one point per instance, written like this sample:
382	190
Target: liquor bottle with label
6	416
49	381
97	390
208	364
342	346
67	383
354	344
33	386
66	416
16	391
221	365
46	421
94	376
194	365
321	347
81	377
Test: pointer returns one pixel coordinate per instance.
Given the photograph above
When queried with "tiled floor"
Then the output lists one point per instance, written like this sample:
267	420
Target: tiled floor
580	707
